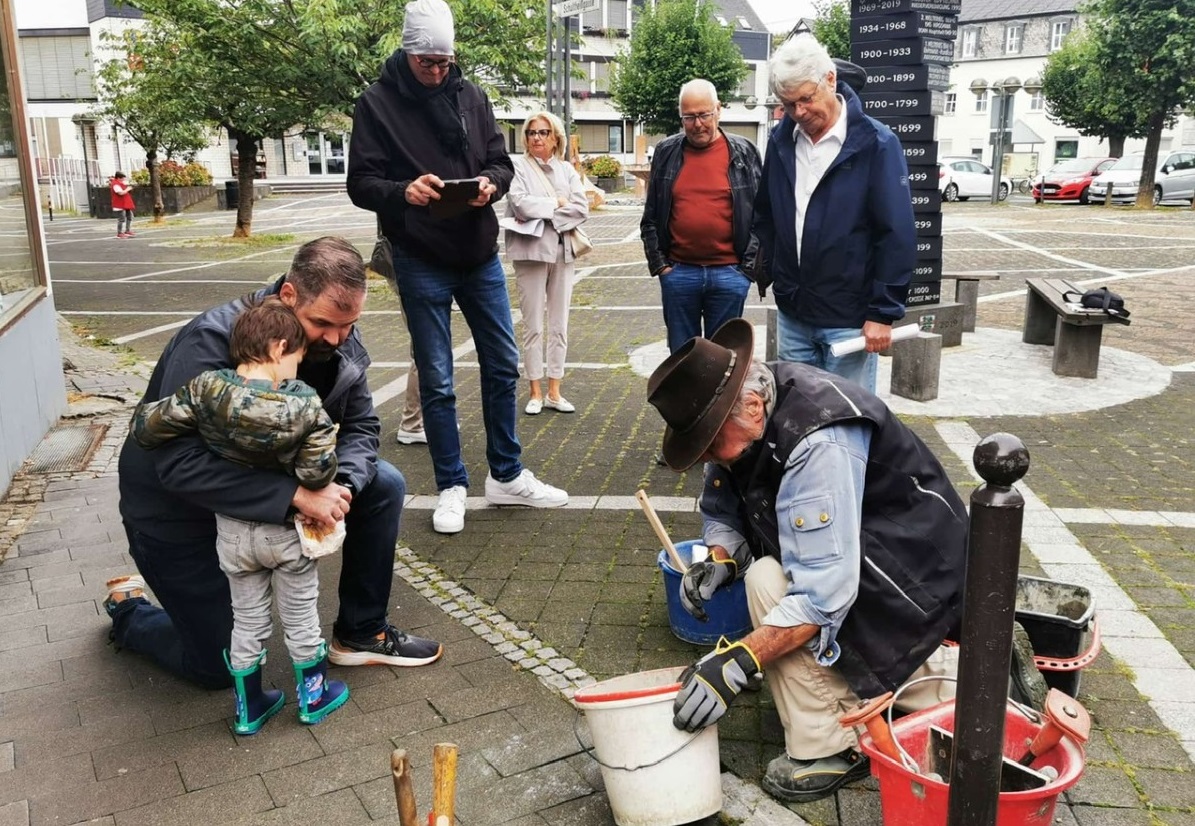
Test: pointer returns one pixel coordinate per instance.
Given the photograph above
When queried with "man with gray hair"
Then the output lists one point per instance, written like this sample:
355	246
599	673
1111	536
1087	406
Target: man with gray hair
420	125
833	217
696	225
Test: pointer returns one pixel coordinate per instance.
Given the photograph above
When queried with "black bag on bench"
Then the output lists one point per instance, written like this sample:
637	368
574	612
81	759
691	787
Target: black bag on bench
1100	299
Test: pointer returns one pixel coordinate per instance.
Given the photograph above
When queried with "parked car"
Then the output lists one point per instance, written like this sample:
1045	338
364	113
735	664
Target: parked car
1069	180
1175	178
960	179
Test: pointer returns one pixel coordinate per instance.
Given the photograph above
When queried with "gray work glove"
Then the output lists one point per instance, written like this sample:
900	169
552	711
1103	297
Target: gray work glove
710	685
701	580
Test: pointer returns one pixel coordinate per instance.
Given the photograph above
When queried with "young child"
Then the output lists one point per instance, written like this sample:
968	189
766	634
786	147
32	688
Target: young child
122	205
261	415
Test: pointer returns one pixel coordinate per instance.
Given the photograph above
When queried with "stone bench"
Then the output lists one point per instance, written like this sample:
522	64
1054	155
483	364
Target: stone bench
966	292
1074	332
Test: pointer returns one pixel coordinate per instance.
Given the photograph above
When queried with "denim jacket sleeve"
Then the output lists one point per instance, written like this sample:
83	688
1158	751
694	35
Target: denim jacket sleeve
721	516
819	508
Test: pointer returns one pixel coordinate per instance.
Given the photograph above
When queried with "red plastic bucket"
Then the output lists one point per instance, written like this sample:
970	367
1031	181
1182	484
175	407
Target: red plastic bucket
909	799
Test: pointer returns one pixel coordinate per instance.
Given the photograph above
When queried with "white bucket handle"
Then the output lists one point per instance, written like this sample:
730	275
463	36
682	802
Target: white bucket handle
588	750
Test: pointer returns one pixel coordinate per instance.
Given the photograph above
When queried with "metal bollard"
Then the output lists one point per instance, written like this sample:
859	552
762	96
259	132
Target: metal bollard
993	551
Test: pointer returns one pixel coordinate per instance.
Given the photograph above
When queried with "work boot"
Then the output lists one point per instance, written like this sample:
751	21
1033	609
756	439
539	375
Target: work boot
1026	685
318	696
253	704
802	781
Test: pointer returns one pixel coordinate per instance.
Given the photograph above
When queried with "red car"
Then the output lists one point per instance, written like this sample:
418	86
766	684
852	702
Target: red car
1069	180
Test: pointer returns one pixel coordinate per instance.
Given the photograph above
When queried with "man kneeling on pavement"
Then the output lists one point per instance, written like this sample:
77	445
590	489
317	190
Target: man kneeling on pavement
852	539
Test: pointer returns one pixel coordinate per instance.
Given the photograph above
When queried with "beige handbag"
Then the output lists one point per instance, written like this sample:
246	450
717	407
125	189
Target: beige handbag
581	243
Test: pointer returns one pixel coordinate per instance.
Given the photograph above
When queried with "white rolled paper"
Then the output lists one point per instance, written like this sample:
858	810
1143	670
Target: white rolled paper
858	344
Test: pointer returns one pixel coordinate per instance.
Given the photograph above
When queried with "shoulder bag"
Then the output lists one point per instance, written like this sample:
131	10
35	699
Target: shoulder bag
581	243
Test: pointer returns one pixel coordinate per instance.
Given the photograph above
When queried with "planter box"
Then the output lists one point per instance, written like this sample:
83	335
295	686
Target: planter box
608	184
175	199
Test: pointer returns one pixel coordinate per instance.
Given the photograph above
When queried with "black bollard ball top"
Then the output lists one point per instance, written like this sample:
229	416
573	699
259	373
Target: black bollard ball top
1001	459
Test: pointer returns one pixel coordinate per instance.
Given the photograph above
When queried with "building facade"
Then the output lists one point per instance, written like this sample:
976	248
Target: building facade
30	359
1003	39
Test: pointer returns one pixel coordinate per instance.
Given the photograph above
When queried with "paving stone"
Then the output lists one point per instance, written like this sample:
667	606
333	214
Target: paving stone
591	810
217	804
121	760
1101	816
7	761
523	794
288	743
1102	786
343	733
20	722
15	814
327	774
107	797
531	750
23	638
17	675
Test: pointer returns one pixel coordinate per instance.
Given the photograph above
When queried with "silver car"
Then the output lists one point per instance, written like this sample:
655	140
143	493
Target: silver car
1174	179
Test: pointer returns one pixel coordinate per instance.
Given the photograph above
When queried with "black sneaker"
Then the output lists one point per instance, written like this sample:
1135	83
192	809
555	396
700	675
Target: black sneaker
1026	684
802	781
391	647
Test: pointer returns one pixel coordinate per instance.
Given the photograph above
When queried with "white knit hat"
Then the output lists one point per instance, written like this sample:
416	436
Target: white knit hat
427	28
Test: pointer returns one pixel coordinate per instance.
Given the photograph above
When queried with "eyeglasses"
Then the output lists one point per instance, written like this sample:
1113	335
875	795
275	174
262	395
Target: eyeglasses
804	100
704	117
436	63
538	133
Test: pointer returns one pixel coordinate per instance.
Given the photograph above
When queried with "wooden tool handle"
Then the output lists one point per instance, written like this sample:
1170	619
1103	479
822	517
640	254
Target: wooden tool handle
444	781
662	534
404	794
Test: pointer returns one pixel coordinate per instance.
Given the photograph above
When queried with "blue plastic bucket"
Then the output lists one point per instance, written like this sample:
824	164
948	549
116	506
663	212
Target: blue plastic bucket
727	608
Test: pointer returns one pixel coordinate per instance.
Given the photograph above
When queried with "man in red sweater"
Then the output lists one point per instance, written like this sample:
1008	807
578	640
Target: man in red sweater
696	225
122	205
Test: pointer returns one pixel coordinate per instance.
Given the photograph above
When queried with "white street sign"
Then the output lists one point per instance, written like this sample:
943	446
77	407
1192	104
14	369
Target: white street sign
567	8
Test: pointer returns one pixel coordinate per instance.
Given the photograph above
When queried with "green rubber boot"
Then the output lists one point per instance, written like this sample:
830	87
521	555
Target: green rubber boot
318	696
253	705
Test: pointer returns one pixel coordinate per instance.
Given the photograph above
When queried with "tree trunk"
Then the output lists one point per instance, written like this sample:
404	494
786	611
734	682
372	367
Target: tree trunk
1116	146
1149	166
155	185
246	173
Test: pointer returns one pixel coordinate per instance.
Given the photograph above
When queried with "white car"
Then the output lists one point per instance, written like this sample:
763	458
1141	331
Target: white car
1175	178
960	179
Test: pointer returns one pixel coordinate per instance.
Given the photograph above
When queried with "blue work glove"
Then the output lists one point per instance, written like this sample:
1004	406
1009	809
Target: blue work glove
710	685
701	580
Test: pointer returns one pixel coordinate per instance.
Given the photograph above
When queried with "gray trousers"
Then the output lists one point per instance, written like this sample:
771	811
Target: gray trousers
264	561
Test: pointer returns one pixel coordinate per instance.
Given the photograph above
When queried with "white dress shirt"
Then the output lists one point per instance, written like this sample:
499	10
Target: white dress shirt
813	159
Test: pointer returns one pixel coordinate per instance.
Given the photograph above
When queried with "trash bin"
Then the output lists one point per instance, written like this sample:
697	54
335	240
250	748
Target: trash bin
232	190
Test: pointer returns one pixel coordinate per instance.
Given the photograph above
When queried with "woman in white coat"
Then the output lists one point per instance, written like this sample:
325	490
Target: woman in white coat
546	200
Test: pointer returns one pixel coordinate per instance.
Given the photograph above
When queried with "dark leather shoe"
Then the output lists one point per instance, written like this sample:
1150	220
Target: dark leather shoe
802	781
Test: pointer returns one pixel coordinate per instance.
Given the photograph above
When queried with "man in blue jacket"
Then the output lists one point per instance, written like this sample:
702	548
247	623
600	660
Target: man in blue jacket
169	496
833	217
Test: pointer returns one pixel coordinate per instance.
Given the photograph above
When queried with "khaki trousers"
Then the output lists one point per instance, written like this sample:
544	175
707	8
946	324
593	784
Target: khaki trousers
412	409
544	286
811	697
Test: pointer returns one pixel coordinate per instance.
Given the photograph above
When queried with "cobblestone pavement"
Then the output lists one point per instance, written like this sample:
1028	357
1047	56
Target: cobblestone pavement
531	604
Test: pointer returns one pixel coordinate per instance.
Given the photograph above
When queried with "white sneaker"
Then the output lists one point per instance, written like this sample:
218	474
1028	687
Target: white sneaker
524	489
561	405
411	437
449	516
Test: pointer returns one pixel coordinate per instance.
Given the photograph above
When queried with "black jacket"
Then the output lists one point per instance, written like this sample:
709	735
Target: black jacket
913	533
176	489
394	142
745	171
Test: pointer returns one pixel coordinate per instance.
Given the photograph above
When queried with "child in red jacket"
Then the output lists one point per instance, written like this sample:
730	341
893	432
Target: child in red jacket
122	205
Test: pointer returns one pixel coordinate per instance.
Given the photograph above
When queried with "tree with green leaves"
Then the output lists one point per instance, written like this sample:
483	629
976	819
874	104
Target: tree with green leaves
263	68
1074	88
1141	53
137	95
675	42
832	27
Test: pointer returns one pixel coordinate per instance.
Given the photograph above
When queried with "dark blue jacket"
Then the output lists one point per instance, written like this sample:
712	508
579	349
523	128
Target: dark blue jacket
859	244
176	490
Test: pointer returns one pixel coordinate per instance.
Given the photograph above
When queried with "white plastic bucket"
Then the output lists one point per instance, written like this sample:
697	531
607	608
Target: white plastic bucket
655	775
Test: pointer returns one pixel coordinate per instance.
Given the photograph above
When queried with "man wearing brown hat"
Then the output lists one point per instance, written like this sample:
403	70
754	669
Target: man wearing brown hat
850	536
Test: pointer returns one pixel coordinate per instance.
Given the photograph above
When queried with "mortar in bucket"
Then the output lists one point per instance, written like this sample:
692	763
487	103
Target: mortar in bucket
727	608
655	775
911	798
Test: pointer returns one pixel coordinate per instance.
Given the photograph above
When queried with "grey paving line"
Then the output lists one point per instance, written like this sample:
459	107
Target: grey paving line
744	802
1159	671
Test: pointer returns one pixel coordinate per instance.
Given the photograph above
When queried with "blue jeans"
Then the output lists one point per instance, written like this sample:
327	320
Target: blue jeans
696	296
801	342
187	635
427	293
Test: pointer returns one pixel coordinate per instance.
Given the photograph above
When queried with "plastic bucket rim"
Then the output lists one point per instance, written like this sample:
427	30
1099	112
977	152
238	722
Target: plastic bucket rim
600	694
630	694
